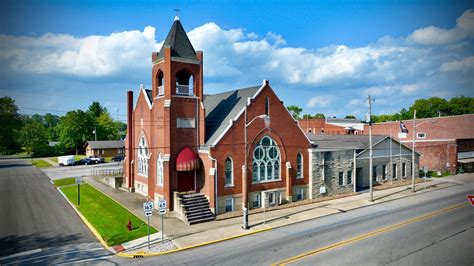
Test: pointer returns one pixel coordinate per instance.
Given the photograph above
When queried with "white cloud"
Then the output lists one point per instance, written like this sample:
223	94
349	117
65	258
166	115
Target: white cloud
437	36
463	65
320	101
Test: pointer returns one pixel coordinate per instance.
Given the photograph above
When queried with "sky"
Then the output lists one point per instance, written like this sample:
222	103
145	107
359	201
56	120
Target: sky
324	56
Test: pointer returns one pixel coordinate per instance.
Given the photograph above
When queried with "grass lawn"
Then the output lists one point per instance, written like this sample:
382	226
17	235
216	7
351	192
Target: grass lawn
41	163
108	159
54	159
64	181
108	218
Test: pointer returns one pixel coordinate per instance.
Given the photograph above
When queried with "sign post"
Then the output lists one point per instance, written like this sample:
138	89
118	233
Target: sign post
425	170
78	182
162	207
148	210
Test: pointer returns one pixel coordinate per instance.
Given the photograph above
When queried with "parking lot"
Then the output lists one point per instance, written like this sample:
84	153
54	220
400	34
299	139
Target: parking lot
78	170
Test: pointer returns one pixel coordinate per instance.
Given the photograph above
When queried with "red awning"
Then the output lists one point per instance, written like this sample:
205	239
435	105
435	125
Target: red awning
187	160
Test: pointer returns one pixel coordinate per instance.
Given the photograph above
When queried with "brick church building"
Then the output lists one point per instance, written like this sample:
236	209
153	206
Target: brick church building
211	154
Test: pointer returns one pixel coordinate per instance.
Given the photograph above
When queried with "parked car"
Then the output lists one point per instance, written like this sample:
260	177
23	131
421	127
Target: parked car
85	161
118	158
97	159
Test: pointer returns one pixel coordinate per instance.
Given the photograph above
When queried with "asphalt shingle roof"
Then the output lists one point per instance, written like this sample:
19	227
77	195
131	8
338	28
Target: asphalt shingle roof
339	142
222	107
179	43
106	144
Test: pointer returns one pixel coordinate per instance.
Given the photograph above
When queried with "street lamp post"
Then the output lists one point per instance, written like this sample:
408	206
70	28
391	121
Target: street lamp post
245	222
413	149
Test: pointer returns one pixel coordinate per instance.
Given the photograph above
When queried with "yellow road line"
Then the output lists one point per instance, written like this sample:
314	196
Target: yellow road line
143	254
367	235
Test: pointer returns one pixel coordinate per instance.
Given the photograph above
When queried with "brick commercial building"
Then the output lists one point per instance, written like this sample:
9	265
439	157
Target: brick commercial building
331	126
340	163
210	154
445	143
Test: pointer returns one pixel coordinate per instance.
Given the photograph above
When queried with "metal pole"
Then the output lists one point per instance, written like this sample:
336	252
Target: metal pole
370	152
95	133
148	218
78	194
391	164
413	154
162	228
245	217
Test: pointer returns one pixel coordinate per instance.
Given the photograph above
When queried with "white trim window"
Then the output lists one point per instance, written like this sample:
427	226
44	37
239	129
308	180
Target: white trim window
143	156
229	204
266	161
159	170
256	202
229	172
300	194
420	135
299	165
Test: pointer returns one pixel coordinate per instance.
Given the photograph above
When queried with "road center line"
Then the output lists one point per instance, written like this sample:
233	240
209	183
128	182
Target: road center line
369	234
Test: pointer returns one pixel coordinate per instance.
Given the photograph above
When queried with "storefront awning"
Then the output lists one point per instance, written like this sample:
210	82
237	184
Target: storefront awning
187	160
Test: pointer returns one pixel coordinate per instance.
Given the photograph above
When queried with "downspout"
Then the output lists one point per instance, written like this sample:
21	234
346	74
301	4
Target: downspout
354	172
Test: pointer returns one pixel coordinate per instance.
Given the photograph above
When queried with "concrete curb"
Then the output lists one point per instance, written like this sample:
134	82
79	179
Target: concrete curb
91	228
145	254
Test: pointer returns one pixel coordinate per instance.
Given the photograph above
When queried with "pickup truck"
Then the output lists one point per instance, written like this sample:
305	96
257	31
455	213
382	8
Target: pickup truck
97	159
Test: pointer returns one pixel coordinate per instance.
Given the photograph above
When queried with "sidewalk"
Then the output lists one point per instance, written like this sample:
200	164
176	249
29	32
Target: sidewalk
184	235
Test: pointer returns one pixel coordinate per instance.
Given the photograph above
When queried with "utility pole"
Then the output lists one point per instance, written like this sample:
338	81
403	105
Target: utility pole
95	133
413	154
370	151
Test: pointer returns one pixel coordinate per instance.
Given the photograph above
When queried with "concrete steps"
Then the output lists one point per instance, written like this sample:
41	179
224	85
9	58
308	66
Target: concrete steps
196	208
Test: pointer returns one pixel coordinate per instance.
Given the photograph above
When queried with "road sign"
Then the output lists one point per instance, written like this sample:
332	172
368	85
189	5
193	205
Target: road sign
471	199
147	206
148	213
78	180
162	211
162	204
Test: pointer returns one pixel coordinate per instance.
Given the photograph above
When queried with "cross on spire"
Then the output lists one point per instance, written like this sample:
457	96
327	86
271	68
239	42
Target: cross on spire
177	14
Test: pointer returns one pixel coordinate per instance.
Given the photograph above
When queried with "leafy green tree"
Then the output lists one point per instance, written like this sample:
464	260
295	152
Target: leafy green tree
51	122
461	105
75	128
33	136
319	115
107	128
350	117
96	109
295	111
10	123
429	107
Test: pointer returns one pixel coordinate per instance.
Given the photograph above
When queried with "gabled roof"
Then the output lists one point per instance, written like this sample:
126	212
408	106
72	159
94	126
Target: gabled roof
343	142
106	144
179	43
222	107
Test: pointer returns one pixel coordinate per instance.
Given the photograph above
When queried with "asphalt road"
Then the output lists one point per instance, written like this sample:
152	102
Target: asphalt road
410	231
37	225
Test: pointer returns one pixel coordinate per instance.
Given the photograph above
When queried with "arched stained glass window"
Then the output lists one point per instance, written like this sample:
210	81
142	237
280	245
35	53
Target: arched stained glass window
229	172
266	161
143	156
299	165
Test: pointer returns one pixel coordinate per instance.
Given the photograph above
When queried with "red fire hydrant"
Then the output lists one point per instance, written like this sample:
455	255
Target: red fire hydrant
129	225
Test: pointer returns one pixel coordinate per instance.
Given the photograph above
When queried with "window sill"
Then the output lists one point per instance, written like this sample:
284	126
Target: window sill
266	181
145	176
228	186
300	177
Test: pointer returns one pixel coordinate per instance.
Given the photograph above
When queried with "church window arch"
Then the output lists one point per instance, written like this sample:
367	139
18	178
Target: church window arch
143	157
266	161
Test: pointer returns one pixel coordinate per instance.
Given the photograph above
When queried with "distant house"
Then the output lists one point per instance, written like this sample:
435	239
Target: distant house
105	148
340	163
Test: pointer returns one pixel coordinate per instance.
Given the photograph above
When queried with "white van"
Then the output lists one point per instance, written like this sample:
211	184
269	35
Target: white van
66	160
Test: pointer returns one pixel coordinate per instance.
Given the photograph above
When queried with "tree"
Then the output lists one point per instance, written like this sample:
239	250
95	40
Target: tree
461	105
51	122
96	110
107	128
350	117
316	116
429	107
10	123
295	111
75	128
33	136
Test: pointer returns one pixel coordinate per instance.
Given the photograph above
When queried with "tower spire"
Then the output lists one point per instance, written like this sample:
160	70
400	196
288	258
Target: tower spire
177	14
